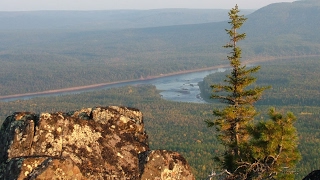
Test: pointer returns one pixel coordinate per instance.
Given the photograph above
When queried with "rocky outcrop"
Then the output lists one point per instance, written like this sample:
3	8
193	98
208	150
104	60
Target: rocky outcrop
162	164
93	143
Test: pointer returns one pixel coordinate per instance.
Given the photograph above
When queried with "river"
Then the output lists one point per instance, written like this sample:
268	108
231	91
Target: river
180	88
184	87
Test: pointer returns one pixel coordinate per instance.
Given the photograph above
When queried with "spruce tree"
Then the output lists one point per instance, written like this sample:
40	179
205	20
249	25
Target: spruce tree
234	124
232	121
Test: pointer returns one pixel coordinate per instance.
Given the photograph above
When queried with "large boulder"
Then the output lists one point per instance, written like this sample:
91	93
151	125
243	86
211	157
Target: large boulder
93	143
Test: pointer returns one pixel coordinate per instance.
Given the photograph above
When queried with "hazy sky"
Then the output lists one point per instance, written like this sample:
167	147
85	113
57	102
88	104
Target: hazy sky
27	5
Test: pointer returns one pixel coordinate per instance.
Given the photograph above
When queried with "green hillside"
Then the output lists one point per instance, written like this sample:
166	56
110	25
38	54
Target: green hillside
285	28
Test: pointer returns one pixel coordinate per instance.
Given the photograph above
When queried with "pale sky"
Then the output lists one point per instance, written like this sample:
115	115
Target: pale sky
31	5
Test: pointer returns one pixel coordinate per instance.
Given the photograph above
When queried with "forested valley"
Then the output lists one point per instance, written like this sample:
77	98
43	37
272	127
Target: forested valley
61	56
180	126
40	58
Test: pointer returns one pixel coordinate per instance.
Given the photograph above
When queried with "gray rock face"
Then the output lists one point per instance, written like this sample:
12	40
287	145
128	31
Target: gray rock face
93	143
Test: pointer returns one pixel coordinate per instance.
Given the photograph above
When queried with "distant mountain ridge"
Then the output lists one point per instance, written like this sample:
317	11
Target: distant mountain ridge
285	24
109	19
276	29
286	18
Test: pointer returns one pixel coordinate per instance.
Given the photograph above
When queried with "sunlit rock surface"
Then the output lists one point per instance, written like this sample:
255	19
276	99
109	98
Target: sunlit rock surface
162	164
93	143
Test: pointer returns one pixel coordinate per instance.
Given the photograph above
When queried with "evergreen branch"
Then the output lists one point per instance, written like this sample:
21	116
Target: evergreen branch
250	153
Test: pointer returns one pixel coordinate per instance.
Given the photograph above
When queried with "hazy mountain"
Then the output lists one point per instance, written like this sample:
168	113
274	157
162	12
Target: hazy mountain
285	25
112	19
300	17
276	29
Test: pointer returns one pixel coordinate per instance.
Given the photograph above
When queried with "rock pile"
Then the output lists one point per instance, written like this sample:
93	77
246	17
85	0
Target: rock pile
92	143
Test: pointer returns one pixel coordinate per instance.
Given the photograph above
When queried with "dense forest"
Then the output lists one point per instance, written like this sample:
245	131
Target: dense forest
294	81
180	126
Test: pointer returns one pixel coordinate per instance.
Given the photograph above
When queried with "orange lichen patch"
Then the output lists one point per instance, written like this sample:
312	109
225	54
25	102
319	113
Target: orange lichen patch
21	115
62	169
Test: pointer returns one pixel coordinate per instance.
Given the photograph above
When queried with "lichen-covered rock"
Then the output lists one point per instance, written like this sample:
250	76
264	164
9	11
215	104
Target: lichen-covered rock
92	143
164	165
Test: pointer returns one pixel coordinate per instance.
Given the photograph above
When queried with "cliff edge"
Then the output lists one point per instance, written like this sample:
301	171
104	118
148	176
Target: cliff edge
92	143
